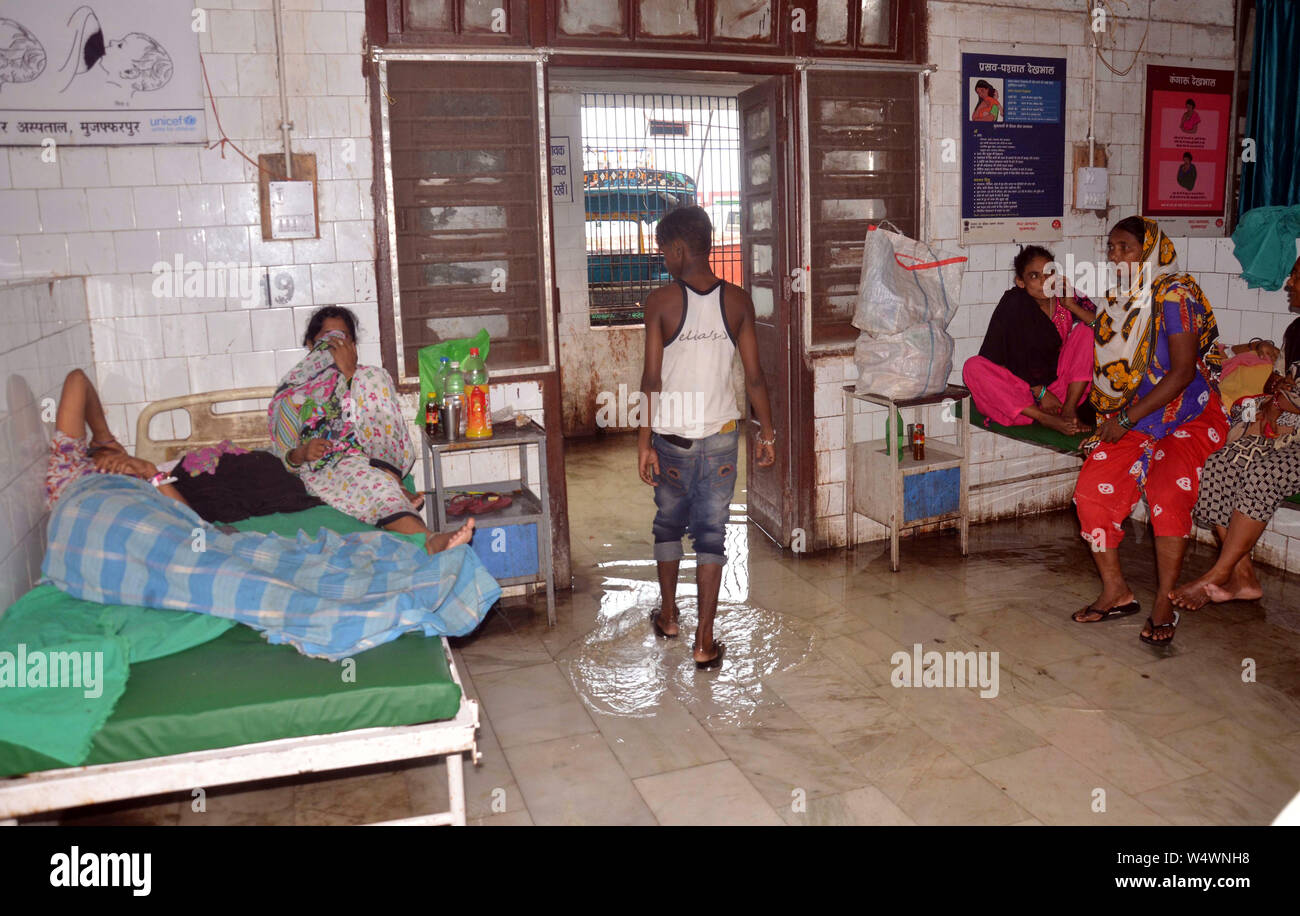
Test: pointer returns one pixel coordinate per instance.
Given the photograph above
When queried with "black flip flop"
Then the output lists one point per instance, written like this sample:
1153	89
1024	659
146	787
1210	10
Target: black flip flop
1151	640
1119	610
716	661
660	631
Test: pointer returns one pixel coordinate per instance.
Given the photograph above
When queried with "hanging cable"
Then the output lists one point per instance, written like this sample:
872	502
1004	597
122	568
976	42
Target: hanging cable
224	140
1096	43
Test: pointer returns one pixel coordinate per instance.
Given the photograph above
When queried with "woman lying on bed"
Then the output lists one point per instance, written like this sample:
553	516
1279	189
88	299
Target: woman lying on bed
72	456
340	428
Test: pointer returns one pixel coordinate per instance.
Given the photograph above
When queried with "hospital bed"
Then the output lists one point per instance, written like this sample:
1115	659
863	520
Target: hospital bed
237	709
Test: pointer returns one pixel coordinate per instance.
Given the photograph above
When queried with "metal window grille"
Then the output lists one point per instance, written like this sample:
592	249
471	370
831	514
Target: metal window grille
636	169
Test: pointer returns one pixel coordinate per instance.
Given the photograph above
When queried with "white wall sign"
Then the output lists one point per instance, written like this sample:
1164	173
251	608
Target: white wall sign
561	169
100	73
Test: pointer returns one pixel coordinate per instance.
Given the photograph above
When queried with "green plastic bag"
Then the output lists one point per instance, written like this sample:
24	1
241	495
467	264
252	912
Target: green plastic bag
430	359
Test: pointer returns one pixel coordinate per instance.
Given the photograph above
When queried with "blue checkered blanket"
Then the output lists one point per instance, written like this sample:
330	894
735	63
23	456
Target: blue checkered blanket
117	540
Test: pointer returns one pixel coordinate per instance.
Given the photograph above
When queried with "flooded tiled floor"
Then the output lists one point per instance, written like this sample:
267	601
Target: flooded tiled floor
595	721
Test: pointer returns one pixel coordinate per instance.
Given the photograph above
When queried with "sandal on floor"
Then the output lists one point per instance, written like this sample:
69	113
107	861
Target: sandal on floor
1119	610
1151	640
716	661
659	630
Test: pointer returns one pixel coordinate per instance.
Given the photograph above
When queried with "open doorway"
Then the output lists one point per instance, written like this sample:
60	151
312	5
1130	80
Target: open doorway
644	154
647	143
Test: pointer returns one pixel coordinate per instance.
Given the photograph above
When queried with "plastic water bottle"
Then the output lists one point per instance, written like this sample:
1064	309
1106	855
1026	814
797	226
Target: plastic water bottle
433	405
453	403
478	410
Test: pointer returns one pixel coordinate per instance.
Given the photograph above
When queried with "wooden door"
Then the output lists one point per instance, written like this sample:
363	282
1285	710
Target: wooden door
768	240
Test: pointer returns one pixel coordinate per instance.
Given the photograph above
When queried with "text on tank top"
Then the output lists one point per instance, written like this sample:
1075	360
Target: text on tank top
697	397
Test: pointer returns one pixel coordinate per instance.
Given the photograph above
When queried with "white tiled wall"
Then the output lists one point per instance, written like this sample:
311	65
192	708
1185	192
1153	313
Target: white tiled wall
43	335
1197	32
112	214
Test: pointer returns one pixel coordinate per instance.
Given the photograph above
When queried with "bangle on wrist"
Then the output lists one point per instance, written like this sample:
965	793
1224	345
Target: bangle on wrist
762	441
1123	420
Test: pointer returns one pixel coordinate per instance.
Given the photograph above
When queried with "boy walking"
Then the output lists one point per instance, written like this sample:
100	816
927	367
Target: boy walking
688	451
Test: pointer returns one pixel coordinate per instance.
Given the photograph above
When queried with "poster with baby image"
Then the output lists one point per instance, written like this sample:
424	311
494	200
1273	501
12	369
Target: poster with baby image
100	73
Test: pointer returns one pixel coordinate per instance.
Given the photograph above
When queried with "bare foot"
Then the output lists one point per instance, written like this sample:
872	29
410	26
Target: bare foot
437	543
1196	593
701	656
1068	427
1050	403
1242	585
667	617
1219	594
1068	415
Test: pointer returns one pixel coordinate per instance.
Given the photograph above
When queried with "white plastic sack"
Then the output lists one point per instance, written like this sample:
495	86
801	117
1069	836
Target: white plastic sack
905	283
912	364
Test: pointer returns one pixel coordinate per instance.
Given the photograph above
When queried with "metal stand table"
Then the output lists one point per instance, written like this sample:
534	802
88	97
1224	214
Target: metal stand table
526	507
877	482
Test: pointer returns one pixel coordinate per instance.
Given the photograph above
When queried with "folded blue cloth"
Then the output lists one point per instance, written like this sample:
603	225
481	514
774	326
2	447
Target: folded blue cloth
1265	245
117	540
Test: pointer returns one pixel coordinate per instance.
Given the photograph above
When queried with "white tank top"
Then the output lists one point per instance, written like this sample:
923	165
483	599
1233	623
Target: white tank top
697	397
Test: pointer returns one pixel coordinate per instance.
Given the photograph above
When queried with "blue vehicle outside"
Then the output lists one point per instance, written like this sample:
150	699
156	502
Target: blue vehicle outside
619	280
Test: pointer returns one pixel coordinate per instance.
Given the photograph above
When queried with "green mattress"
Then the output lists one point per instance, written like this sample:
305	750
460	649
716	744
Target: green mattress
237	689
1032	432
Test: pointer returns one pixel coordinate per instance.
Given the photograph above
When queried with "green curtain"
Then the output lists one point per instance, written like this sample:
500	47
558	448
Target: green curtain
1273	179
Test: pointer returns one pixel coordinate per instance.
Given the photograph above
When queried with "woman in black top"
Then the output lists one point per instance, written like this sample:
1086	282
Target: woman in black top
1036	361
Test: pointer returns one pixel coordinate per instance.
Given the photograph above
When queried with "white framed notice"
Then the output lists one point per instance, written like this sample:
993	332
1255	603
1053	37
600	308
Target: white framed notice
101	73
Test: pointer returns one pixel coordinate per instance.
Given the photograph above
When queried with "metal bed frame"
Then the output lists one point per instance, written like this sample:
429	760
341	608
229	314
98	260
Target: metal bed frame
72	787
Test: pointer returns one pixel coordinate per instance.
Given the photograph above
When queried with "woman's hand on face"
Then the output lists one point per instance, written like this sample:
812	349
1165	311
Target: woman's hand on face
345	355
1111	431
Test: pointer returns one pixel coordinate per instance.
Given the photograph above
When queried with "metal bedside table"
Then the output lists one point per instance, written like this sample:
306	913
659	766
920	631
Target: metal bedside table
907	494
527	507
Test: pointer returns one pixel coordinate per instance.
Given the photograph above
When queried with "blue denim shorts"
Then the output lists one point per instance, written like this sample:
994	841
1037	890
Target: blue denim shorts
694	494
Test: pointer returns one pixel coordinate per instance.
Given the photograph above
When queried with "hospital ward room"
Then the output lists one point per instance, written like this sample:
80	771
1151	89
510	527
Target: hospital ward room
649	413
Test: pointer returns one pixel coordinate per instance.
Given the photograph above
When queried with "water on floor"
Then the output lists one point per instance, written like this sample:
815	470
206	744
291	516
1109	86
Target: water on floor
597	721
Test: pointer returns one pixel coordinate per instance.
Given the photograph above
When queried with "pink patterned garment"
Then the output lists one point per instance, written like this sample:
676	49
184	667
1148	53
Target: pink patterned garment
1063	318
69	460
204	460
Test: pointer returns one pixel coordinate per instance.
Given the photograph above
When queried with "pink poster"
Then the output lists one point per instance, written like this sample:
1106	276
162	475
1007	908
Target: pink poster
1188	111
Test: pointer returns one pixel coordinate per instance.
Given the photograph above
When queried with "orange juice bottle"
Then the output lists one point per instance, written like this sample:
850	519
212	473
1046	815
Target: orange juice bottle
478	397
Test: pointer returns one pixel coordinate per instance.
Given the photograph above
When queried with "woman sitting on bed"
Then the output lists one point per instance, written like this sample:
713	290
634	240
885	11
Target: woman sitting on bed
340	428
73	457
1036	361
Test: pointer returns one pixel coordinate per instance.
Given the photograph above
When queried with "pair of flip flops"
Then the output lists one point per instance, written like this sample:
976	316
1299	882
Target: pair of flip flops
1126	610
719	649
477	503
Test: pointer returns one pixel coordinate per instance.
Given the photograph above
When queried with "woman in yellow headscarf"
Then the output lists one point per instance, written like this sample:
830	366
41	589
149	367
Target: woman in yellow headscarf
1158	418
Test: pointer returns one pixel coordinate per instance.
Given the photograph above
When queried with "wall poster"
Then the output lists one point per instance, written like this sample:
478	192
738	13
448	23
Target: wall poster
1185	153
1012	147
100	73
